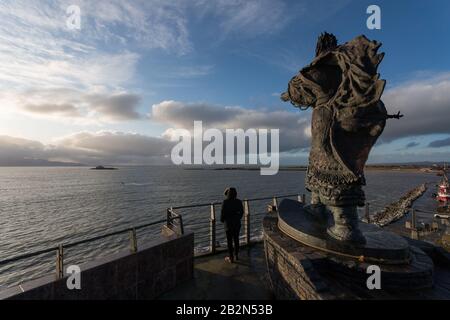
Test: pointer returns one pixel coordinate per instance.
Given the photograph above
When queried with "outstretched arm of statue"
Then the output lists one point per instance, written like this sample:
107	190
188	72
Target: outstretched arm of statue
285	96
394	116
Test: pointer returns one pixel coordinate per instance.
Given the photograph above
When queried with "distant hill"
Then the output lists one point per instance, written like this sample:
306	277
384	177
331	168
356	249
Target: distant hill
37	163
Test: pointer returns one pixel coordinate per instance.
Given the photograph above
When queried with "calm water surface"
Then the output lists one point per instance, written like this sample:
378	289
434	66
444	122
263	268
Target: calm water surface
42	207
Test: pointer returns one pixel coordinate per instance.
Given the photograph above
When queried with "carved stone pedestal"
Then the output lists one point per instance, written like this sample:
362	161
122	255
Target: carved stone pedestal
305	263
304	225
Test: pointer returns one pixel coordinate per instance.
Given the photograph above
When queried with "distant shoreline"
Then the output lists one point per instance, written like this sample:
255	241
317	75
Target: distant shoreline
413	168
400	168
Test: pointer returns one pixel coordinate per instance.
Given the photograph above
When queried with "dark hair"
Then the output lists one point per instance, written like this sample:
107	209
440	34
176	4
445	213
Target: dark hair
230	193
326	42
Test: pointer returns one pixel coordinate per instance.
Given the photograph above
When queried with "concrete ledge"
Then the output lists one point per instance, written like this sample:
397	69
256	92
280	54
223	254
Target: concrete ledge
156	268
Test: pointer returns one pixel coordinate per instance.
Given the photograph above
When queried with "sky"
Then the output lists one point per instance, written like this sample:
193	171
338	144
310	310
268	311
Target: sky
114	90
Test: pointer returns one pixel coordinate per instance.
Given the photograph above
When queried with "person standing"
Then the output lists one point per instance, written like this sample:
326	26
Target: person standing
231	215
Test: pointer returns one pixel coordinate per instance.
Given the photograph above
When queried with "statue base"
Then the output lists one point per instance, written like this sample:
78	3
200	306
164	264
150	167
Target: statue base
304	262
305	225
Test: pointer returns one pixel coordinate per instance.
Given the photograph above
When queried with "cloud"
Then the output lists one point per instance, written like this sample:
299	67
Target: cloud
425	104
440	155
246	18
18	148
39	52
89	148
44	53
154	24
116	107
98	105
116	144
440	143
117	148
188	71
68	110
150	24
47	70
412	144
294	127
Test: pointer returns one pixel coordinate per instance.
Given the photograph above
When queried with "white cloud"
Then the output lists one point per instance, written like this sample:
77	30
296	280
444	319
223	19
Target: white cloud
58	103
115	107
39	51
246	18
118	144
148	24
50	71
293	126
425	104
188	72
87	147
14	148
68	110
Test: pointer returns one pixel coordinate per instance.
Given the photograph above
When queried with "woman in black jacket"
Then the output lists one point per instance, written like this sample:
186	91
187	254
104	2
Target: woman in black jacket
231	215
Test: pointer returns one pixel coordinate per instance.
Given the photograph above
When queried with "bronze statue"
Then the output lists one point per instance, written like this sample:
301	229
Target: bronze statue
343	87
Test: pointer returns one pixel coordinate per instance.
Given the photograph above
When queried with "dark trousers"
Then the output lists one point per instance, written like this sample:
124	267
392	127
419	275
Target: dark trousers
233	236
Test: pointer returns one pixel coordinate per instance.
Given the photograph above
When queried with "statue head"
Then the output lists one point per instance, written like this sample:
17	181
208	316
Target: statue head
318	82
326	42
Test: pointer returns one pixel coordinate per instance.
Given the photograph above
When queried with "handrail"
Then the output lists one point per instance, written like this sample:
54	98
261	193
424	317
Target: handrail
28	255
73	244
69	245
419	209
218	202
171	217
212	234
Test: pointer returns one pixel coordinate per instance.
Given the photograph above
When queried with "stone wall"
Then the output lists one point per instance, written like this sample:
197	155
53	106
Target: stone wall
157	267
292	275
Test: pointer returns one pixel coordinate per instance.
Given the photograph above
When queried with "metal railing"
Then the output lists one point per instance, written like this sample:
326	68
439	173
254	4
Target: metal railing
247	218
418	229
172	216
170	222
173	220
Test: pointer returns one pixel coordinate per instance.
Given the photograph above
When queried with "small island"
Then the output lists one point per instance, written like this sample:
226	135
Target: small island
103	168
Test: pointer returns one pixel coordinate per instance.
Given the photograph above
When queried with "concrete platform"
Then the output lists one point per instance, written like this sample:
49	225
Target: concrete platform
215	279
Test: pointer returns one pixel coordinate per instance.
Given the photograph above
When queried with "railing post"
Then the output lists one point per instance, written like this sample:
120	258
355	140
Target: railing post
275	202
367	209
212	230
60	262
133	240
247	221
181	224
414	231
301	198
169	217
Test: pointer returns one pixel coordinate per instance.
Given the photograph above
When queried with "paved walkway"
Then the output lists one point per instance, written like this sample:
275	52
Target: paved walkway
215	279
